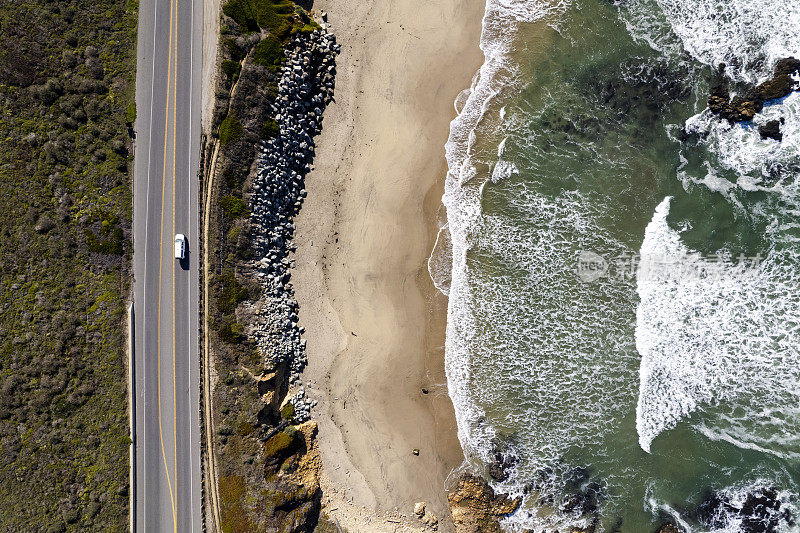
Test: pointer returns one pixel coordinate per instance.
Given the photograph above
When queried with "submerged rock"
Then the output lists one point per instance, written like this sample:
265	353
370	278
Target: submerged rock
476	508
761	511
501	464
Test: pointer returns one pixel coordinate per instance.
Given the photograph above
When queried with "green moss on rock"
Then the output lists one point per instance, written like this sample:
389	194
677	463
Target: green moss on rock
287	411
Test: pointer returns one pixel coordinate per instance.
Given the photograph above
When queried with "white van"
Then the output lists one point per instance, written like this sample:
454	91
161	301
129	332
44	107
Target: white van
180	246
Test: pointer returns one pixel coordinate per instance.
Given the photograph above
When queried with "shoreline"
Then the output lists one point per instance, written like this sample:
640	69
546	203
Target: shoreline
375	322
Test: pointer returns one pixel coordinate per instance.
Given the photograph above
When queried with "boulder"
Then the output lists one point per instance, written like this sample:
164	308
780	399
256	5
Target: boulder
771	130
475	508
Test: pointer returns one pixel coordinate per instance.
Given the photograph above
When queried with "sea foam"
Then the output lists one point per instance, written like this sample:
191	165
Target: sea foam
462	200
747	36
730	338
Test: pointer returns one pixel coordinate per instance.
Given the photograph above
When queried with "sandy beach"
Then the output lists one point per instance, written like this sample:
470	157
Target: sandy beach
375	323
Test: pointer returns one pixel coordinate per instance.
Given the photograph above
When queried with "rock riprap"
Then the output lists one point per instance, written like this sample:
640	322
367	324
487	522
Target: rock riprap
304	90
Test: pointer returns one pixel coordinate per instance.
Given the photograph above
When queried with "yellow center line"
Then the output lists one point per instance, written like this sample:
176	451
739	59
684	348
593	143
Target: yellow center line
174	150
172	22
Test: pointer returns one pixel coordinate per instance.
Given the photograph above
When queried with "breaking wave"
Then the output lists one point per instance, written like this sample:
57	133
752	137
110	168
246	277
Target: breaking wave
462	197
547	365
729	338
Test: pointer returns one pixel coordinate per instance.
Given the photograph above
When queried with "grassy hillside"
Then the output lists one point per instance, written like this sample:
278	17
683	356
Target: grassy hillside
66	93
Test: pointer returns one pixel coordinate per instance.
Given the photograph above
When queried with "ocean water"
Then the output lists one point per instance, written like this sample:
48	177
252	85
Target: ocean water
623	268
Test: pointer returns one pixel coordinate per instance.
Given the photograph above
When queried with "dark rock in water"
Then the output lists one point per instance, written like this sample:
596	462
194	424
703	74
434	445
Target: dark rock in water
641	91
669	528
502	462
580	503
720	96
712	510
771	130
741	109
788	66
760	512
737	110
781	83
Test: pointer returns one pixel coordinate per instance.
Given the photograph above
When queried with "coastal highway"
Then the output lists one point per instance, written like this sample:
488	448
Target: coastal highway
166	380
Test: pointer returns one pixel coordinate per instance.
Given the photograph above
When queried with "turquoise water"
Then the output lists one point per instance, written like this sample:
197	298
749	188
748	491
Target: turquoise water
669	369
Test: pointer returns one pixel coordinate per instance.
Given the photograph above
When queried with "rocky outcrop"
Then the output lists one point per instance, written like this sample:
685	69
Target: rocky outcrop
744	108
475	508
761	511
503	461
771	130
669	528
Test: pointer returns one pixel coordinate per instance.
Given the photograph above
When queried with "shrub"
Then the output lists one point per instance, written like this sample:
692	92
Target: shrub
268	52
280	443
270	129
231	68
234	50
231	492
230	130
243	13
112	244
130	113
231	331
233	234
233	206
231	292
271	15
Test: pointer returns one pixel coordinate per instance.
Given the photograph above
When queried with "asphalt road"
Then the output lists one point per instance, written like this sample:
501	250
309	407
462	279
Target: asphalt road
166	291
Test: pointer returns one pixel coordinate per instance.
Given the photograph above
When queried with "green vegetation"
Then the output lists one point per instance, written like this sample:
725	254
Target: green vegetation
258	492
270	129
66	93
231	68
280	443
269	52
231	292
130	113
234	519
233	207
230	331
230	130
252	15
287	411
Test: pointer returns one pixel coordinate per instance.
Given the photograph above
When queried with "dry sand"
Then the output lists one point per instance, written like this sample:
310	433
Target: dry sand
375	324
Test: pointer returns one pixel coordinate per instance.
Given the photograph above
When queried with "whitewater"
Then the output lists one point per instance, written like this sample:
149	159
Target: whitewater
672	372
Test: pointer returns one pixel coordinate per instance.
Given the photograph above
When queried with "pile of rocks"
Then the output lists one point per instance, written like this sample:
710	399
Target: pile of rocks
301	406
304	90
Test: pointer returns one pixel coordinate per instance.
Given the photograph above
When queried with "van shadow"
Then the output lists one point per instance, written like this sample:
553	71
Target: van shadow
184	263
